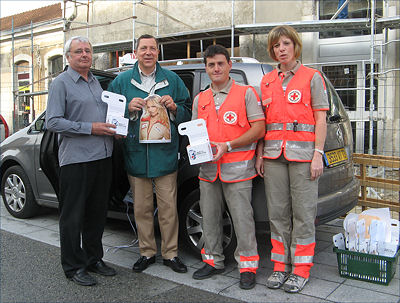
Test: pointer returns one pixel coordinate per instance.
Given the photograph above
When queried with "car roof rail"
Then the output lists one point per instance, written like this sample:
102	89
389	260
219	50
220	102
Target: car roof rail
183	61
201	60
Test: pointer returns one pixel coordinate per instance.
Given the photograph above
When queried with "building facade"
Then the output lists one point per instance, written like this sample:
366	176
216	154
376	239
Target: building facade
343	48
31	51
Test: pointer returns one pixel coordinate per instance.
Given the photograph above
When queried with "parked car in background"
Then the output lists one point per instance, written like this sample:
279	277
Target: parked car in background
29	177
4	130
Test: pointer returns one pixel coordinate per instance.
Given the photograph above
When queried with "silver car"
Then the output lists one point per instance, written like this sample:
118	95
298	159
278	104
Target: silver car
29	166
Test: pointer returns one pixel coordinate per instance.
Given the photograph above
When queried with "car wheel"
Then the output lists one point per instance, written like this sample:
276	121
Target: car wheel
17	193
191	220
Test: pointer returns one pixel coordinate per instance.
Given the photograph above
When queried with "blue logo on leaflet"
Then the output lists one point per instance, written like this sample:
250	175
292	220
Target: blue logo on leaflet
192	154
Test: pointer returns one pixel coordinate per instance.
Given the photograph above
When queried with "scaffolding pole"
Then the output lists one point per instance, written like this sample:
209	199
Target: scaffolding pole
13	68
31	101
371	80
233	29
254	22
133	24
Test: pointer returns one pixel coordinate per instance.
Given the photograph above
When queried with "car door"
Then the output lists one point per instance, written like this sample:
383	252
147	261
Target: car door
48	158
46	192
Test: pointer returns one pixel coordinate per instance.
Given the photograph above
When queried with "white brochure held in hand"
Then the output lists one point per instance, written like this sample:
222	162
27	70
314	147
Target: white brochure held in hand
115	112
199	150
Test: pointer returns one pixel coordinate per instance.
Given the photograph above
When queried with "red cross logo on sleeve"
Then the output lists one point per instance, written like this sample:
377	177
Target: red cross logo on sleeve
294	96
230	117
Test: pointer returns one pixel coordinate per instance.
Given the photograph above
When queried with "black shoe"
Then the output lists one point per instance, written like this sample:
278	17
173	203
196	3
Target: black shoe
142	263
81	277
102	269
247	280
206	272
175	264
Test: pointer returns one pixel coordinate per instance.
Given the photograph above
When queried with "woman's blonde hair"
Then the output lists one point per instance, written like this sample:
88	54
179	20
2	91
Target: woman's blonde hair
284	30
163	116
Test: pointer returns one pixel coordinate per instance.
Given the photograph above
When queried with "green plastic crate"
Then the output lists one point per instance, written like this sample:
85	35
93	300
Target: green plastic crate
366	267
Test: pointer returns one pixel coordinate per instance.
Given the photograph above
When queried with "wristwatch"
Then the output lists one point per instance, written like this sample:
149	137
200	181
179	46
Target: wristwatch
229	146
319	150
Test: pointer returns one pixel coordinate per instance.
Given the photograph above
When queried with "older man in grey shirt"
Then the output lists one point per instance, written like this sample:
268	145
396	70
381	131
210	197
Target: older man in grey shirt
76	112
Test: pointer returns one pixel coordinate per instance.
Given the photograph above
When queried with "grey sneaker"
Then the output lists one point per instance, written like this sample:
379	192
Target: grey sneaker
276	279
294	283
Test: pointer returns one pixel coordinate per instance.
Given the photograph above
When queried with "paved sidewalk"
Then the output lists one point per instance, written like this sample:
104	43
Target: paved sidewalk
325	284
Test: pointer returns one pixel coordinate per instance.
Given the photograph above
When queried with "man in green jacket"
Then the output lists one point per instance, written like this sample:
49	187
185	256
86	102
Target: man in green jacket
148	163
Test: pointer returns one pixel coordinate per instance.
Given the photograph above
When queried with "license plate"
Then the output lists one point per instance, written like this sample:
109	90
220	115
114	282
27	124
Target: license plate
335	157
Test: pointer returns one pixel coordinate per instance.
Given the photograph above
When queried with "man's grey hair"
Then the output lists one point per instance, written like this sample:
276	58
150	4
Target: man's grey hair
67	46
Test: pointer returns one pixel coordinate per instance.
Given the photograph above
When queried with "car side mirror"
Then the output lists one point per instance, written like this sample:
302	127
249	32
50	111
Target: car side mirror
39	125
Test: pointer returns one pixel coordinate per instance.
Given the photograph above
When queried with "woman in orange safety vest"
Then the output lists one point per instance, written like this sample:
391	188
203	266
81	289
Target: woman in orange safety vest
290	158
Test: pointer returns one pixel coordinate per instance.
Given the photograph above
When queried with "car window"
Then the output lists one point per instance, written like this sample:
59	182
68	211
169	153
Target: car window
39	124
104	81
188	79
235	75
336	108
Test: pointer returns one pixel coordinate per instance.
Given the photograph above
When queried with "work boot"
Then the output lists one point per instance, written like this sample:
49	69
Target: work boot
276	279
207	271
247	280
294	283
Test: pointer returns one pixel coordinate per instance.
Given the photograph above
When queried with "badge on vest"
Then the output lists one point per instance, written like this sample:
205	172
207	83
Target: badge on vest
294	96
230	117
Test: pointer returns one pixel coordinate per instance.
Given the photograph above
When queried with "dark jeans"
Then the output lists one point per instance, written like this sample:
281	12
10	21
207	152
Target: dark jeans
84	196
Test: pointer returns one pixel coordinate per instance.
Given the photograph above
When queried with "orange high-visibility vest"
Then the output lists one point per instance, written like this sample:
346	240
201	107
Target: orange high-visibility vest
289	116
230	123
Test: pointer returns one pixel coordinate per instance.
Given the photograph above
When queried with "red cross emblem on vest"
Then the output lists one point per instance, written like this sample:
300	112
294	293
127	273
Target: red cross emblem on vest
230	117
294	96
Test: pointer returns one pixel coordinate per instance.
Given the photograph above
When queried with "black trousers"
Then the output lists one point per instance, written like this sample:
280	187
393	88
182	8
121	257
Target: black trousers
84	196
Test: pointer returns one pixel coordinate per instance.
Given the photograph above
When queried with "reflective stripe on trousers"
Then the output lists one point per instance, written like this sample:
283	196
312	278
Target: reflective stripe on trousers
303	259
278	256
248	263
207	258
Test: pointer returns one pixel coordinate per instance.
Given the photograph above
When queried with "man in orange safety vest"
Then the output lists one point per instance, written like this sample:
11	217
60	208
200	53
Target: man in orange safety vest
235	121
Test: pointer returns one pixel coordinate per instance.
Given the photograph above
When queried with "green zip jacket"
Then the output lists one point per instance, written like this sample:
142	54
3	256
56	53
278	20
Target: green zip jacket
149	160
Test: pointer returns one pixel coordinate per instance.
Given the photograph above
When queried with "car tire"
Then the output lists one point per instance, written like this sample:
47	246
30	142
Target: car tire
191	230
17	193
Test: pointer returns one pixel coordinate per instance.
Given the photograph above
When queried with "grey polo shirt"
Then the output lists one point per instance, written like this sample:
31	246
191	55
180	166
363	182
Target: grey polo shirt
73	104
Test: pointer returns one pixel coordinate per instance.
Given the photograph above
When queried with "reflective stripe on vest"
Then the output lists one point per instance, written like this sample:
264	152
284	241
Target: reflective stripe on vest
300	127
248	263
290	126
207	258
292	148
230	123
289	116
